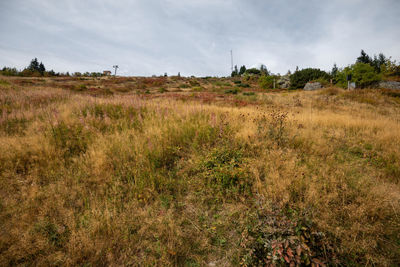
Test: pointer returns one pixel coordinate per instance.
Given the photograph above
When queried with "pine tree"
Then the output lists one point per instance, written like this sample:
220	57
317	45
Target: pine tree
242	70
235	72
34	65
41	68
364	58
334	71
264	70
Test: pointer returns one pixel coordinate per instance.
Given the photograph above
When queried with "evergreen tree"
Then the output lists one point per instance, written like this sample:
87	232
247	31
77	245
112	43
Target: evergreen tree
264	70
378	62
34	65
334	71
242	70
235	72
364	58
41	68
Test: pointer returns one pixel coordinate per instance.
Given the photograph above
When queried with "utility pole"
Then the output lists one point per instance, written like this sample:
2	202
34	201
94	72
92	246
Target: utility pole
115	67
231	61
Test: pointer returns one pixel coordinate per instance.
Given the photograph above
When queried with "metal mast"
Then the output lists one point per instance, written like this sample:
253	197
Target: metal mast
115	67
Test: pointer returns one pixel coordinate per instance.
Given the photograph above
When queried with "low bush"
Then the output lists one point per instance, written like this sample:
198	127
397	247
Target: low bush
362	74
266	82
233	91
249	93
299	78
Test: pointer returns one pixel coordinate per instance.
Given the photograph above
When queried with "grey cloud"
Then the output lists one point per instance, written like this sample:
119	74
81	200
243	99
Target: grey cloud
195	37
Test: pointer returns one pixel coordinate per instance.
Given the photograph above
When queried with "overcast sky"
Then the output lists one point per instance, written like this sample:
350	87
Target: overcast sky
194	37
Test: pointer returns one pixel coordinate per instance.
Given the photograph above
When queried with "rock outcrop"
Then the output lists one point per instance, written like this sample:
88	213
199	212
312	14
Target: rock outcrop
284	82
312	86
389	85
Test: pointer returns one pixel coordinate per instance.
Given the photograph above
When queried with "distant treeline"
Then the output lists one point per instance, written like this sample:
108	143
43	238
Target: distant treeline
365	72
36	69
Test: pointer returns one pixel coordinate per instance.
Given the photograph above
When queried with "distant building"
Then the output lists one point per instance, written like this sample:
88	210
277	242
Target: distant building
106	73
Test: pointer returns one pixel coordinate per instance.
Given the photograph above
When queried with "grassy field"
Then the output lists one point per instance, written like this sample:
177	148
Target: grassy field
196	172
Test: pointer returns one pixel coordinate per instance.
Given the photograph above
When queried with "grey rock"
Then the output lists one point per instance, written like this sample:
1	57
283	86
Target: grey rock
389	85
312	86
284	82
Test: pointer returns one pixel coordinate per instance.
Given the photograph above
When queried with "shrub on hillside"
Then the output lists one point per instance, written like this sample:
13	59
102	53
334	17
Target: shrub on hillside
301	77
266	82
362	74
253	71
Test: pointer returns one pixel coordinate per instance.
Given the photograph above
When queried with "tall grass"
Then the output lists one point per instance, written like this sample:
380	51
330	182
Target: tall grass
299	178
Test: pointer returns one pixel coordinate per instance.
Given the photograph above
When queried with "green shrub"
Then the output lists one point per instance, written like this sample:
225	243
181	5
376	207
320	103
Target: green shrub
243	85
220	84
266	82
253	71
80	87
225	172
9	72
233	91
363	75
249	93
301	77
4	83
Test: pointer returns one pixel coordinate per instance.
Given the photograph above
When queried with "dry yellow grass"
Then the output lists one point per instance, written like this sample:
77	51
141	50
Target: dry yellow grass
191	179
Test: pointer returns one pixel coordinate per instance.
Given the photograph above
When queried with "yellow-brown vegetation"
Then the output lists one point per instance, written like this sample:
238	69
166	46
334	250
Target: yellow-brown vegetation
120	172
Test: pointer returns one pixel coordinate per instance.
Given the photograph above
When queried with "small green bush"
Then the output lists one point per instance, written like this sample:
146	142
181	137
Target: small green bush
249	93
80	87
300	78
266	82
233	91
363	75
4	83
253	71
225	172
243	85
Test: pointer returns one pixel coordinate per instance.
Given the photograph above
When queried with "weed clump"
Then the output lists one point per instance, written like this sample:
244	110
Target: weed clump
70	139
273	126
275	238
225	172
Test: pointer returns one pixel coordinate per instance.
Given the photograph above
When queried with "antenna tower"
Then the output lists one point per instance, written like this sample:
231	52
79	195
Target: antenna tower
115	67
